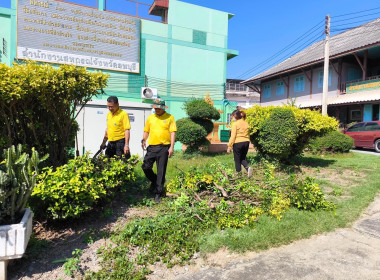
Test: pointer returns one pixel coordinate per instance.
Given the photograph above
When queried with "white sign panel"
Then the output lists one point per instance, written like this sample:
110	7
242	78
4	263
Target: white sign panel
59	32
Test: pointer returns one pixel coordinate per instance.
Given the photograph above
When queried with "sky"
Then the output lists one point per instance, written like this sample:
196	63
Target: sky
261	29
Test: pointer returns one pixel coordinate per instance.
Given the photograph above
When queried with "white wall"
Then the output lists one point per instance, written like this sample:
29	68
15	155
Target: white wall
92	122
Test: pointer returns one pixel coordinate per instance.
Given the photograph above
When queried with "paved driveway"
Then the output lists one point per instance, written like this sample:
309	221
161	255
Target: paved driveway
365	151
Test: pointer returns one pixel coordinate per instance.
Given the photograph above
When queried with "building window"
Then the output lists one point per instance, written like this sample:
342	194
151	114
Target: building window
299	83
320	78
199	37
229	118
280	88
237	87
5	49
356	115
266	91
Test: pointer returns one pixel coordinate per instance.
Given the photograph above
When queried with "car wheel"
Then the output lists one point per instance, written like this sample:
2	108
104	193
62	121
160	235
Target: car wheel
377	145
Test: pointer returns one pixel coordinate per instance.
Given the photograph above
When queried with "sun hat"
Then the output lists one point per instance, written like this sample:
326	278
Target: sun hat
159	104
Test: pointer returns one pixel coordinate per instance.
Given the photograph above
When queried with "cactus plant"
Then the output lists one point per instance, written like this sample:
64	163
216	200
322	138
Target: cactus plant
17	181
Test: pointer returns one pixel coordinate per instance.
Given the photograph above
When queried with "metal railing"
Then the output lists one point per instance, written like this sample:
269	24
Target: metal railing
138	9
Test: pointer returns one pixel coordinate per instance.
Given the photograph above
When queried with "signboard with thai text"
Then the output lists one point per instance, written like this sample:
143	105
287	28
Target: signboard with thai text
363	86
59	32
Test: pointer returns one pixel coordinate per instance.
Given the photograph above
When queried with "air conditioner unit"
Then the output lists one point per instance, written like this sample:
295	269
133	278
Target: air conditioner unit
148	93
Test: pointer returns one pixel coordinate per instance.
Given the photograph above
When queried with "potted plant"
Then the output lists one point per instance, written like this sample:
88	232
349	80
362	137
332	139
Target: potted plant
18	174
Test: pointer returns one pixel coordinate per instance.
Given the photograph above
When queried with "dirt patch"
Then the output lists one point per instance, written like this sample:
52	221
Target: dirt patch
344	179
52	243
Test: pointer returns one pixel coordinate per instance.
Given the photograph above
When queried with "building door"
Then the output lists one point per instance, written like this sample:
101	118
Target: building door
375	112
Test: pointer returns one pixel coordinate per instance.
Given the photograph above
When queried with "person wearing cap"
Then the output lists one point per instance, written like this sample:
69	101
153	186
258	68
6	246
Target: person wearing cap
117	131
239	141
160	128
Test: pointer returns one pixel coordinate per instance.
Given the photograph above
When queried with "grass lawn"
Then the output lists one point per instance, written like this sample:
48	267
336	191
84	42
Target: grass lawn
351	181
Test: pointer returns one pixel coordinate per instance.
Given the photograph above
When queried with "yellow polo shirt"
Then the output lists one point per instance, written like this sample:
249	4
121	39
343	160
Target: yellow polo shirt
117	125
159	128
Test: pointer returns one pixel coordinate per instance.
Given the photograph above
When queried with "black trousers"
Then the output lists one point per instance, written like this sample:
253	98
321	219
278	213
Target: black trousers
116	148
240	154
158	154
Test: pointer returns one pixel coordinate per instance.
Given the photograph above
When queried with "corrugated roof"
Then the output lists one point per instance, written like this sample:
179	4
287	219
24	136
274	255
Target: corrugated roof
355	97
353	39
372	95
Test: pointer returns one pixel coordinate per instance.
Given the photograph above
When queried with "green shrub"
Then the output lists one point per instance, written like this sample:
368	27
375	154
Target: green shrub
307	195
39	103
200	109
333	142
206	124
192	131
277	134
77	186
309	123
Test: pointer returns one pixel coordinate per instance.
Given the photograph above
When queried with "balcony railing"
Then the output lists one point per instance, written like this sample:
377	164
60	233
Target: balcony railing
344	86
131	7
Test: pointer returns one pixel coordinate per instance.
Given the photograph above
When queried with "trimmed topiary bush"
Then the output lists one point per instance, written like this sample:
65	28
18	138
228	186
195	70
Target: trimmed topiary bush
332	142
206	124
310	124
277	134
192	131
200	109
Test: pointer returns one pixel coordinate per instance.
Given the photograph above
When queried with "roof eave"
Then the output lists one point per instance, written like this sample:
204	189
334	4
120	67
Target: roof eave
249	81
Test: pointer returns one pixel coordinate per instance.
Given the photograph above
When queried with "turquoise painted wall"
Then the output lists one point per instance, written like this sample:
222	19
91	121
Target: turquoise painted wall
184	58
5	34
367	114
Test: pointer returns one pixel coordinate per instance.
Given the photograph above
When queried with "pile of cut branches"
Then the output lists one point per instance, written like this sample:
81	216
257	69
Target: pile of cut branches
238	200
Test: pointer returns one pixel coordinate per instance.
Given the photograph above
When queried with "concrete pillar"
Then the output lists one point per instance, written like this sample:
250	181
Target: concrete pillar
3	269
101	5
367	114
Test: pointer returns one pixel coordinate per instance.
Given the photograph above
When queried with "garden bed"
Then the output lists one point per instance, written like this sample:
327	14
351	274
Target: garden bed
349	181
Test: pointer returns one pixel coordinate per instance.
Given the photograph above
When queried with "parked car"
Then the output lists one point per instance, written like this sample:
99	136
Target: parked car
365	135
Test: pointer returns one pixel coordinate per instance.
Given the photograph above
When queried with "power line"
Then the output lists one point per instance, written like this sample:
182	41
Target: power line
258	70
360	21
299	39
356	17
356	12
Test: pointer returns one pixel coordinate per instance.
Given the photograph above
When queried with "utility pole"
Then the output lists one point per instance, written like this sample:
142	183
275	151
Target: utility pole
326	67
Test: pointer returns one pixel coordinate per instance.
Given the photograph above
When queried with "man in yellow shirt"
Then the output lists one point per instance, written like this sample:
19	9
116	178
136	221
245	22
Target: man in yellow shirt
160	128
117	131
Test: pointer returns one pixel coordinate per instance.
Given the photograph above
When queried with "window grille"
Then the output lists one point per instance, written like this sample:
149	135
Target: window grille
5	49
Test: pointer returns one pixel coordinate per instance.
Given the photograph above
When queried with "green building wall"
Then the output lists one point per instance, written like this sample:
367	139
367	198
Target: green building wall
183	58
5	36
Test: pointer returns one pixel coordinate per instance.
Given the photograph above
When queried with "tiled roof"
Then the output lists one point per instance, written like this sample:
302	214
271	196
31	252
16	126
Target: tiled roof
350	40
372	95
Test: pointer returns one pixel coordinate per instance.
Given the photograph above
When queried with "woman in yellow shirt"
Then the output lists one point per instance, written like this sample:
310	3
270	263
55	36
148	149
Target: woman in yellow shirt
239	141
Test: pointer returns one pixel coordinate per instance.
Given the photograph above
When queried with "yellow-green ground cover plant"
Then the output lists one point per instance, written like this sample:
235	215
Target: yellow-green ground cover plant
76	187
